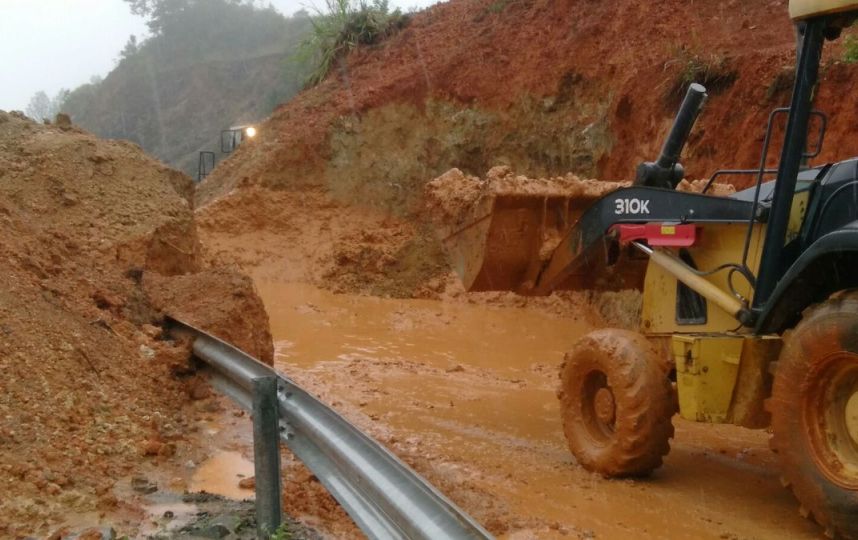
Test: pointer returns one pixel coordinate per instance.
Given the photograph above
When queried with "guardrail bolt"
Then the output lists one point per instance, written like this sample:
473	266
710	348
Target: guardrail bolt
266	456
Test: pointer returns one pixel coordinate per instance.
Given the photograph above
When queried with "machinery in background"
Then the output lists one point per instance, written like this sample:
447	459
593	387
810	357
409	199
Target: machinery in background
230	139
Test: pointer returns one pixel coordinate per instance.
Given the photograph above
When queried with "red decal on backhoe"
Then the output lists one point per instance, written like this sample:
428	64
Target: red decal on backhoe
658	234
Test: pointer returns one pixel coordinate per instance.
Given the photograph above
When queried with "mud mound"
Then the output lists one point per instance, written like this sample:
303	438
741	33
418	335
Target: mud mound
88	393
305	235
223	302
108	194
454	195
697	186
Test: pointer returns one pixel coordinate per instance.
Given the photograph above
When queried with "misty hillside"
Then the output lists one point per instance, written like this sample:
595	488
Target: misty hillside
208	65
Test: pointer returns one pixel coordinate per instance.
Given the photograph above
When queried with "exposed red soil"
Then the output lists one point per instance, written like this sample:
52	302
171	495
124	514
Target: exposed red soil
453	195
98	240
222	301
373	133
305	235
490	55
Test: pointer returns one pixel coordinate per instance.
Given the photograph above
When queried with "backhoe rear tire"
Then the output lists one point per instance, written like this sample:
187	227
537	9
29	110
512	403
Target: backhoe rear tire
814	407
616	403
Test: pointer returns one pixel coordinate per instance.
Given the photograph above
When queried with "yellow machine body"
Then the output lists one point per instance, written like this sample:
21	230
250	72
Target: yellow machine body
723	378
718	243
721	374
803	9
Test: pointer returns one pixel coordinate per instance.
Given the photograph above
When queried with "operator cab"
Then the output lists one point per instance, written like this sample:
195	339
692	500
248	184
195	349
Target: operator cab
826	196
806	179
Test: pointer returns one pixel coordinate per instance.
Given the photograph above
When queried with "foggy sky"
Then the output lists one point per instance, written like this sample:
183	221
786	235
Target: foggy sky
39	36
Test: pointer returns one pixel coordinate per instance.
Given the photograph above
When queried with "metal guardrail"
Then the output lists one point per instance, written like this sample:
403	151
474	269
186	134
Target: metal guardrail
383	496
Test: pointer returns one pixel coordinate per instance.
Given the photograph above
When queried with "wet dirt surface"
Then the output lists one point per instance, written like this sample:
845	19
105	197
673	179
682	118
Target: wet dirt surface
466	395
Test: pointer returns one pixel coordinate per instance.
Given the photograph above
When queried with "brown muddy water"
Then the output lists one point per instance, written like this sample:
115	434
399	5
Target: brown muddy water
221	474
466	395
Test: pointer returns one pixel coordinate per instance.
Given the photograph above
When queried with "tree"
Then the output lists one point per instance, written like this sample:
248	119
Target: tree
158	12
161	12
59	101
130	49
41	107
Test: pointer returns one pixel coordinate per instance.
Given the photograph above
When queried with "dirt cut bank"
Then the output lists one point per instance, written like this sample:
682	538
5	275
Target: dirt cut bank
541	87
544	87
98	242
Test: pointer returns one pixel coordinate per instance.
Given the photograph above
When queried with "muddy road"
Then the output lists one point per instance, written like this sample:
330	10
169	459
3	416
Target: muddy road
466	394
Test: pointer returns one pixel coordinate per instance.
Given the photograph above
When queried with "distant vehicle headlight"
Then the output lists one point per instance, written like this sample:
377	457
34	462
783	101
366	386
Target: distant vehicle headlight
251	132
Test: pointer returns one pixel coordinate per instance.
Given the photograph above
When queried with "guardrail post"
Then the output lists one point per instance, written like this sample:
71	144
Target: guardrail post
266	456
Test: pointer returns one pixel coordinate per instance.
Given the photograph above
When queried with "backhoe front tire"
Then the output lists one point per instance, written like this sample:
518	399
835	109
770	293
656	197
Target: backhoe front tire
814	409
616	403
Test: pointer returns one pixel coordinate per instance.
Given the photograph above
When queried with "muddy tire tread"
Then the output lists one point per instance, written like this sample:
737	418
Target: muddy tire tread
648	404
810	507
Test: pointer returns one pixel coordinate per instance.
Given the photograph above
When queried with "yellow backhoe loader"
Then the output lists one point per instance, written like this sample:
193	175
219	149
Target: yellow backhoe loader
750	302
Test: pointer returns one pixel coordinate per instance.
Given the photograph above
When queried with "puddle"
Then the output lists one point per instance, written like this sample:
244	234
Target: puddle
220	475
311	325
490	367
165	517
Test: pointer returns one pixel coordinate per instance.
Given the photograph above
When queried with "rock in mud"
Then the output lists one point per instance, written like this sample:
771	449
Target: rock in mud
247	483
215	531
143	485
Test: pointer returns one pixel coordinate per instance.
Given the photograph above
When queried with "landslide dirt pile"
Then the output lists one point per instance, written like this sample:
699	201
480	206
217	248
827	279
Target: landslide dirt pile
697	186
218	299
309	237
306	235
98	240
452	197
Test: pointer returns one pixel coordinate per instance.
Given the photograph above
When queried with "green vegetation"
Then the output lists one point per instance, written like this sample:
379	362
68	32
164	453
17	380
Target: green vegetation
782	82
208	65
498	6
345	26
711	70
850	49
282	533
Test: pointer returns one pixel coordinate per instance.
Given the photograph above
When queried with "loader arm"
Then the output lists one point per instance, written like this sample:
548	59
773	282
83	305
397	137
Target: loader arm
584	250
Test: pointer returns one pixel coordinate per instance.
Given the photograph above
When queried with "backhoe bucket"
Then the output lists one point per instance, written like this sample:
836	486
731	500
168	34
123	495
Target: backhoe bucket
510	238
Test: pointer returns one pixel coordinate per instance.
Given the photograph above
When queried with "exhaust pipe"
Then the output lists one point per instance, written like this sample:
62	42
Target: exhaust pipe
666	171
